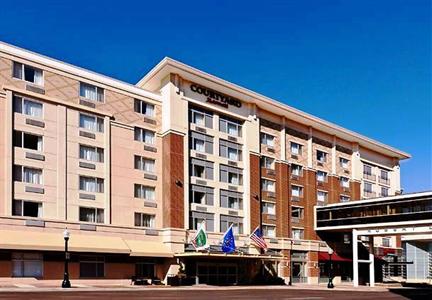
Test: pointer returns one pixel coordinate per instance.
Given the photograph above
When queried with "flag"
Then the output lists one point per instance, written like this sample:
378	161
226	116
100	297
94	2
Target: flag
200	241
257	237
228	241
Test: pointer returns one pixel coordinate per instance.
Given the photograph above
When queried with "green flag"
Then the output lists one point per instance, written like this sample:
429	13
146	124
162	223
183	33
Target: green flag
200	240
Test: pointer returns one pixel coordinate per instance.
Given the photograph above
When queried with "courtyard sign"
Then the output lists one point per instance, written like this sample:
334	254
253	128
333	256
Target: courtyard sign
215	97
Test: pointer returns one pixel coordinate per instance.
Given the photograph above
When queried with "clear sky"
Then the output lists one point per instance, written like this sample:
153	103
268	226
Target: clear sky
365	65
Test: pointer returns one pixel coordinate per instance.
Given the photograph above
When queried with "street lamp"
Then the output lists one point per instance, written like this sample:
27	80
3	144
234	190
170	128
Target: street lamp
330	271
66	282
290	261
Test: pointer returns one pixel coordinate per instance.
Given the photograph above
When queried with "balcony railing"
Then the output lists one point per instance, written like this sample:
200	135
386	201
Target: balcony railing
384	180
369	176
369	194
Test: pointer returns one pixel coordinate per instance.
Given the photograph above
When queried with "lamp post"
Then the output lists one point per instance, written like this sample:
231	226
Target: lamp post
66	282
290	261
330	271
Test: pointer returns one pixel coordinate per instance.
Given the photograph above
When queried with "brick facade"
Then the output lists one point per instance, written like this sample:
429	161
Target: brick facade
255	191
283	209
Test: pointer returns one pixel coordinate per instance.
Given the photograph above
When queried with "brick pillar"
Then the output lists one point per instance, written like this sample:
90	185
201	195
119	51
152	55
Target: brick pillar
255	191
355	190
333	189
173	180
284	268
283	207
310	197
313	267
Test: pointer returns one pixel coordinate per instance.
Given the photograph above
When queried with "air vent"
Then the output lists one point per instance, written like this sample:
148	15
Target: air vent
87	165
232	139
35	156
201	156
150	176
87	134
150	121
35	123
35	89
200	129
270	149
293	156
36	190
87	103
202	182
150	148
232	163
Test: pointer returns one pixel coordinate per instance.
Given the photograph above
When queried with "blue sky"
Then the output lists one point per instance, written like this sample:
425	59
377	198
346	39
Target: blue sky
365	65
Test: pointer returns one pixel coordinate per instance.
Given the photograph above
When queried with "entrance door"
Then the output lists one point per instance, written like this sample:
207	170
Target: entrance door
299	272
217	274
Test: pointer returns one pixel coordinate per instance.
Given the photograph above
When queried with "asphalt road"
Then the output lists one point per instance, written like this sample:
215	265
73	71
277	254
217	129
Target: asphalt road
280	294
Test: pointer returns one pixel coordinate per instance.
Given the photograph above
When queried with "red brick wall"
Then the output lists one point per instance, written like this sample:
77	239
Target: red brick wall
313	268
310	196
255	191
173	171
355	190
283	209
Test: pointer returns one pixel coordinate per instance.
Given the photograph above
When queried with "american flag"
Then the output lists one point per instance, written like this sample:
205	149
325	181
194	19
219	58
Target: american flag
257	237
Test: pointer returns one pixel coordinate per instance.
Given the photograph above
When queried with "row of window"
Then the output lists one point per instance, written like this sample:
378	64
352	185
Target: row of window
322	196
205	119
369	175
368	190
204	144
204	195
205	169
87	91
268	185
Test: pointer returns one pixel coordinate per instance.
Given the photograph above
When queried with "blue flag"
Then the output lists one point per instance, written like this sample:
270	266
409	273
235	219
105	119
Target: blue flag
228	241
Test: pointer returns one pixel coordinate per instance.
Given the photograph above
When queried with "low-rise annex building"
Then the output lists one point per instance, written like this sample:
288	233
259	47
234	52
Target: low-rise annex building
131	170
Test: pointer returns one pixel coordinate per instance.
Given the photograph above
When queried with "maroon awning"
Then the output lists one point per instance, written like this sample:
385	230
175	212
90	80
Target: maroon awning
324	256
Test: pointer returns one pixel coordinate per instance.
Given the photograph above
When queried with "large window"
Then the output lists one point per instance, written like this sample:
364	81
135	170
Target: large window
343	162
91	92
297	213
28	107
344	198
227	221
201	194
91	123
230	126
231	200
144	108
201	117
321	156
344	182
144	164
144	135
92	266
91	184
321	197
367	187
196	219
91	153
145	270
297	191
267	139
28	73
268	185
27	264
269	208
321	176
384	191
145	192
201	142
27	208
296	170
27	140
144	220
91	214
297	233
28	175
386	242
267	162
202	168
367	170
230	150
296	149
269	231
231	175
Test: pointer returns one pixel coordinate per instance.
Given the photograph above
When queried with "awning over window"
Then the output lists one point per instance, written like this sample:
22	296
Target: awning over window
48	241
324	256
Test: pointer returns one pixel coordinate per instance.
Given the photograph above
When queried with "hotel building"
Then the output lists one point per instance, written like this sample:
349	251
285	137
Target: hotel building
131	170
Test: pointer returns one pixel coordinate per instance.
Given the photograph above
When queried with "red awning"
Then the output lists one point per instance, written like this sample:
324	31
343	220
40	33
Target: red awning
335	257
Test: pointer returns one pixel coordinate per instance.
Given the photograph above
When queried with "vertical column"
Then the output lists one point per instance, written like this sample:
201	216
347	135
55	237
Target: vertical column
255	191
173	180
333	152
107	166
9	124
62	155
371	263
283	140
310	149
355	257
283	214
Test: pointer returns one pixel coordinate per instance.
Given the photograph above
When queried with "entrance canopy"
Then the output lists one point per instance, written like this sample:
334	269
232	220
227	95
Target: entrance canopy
224	255
324	256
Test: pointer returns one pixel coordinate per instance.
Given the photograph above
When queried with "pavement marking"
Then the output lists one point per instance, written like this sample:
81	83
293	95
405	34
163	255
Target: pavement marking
25	286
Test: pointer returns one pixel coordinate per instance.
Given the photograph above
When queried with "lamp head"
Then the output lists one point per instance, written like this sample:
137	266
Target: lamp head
330	251
66	234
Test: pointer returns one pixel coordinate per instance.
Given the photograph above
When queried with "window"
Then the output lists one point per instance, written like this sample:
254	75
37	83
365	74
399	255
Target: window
367	170
145	270
91	153
321	197
297	233
27	208
198	145
384	174
196	219
297	212
198	197
91	92
269	231
230	199
28	175
27	73
296	149
27	140
297	191
201	194
267	162
343	162
144	220
145	192
27	264
91	184
231	175
28	107
202	169
92	266
267	185
230	126
321	176
267	139
91	123
296	170
144	135
269	208
344	182
230	150
144	164
344	198
144	108
91	214
198	118
321	156
384	191
201	142
367	187
227	221
386	242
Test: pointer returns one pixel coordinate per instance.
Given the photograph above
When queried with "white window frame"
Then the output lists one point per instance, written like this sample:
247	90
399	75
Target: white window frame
344	163
151	221
143	162
144	191
96	156
324	176
300	191
268	185
99	123
265	162
23	66
294	145
264	138
269	208
97	181
325	156
143	108
97	90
